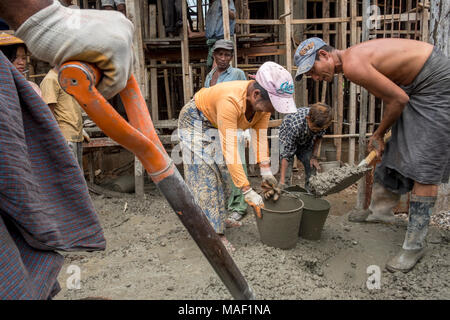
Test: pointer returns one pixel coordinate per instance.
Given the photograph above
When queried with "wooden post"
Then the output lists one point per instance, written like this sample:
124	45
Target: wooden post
200	20
85	4
361	199
145	10
352	99
162	34
288	32
226	20
187	88
342	29
153	71
140	72
424	27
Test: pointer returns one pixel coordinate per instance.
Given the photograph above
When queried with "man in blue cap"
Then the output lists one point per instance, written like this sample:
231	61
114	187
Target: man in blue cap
413	80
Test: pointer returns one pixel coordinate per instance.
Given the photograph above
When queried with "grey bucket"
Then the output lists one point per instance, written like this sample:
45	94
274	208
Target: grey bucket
315	213
280	222
295	188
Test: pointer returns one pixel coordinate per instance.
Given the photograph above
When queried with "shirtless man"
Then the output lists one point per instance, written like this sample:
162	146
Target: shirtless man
413	80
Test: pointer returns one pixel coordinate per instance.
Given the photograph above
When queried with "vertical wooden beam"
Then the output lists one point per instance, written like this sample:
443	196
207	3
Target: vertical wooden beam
200	19
187	87
162	34
153	71
342	32
226	20
287	34
352	101
424	27
145	11
85	4
362	145
140	72
326	38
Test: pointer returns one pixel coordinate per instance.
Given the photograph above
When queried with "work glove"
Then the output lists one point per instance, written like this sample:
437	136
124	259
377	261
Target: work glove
254	200
269	183
57	34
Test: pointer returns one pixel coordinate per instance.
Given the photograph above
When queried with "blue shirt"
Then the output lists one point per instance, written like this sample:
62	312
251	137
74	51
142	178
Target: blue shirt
214	20
295	134
231	74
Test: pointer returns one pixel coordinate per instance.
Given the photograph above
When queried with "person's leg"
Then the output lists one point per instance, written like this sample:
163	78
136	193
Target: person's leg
236	203
305	158
76	148
421	205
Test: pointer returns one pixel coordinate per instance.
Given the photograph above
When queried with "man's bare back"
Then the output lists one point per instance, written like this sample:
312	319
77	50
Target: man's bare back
400	60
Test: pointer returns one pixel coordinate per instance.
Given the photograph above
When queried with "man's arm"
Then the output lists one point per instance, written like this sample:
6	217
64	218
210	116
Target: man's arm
395	99
16	12
314	162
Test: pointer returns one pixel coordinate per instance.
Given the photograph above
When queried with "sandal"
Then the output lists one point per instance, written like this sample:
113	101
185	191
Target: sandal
232	223
227	244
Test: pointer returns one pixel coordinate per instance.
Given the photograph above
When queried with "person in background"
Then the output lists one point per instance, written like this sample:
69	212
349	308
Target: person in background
16	51
214	26
301	135
118	4
207	128
223	54
67	113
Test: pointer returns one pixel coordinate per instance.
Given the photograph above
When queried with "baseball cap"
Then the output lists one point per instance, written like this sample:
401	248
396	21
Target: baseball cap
223	44
279	84
305	55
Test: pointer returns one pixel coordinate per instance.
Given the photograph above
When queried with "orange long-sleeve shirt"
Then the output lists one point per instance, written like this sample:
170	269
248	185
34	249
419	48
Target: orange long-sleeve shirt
224	106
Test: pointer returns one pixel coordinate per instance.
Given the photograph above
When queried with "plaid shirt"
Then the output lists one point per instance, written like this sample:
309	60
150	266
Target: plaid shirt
44	201
295	134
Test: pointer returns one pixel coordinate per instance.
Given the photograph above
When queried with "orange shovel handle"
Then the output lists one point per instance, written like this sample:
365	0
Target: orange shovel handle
79	80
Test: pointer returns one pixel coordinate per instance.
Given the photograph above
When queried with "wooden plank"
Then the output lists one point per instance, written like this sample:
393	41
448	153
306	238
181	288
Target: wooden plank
145	11
424	27
226	20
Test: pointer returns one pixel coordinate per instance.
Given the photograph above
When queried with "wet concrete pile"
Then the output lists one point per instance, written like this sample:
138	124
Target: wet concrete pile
336	179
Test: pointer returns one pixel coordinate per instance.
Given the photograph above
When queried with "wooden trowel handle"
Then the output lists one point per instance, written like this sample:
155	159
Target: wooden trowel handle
373	154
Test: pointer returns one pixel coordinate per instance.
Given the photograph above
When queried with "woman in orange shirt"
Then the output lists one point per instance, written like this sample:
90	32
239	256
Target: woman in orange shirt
208	127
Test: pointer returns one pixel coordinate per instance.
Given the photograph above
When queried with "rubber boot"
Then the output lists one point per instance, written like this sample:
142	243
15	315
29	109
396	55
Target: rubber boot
414	245
380	209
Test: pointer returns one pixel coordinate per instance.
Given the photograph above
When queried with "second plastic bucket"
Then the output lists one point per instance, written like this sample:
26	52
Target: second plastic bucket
280	222
315	213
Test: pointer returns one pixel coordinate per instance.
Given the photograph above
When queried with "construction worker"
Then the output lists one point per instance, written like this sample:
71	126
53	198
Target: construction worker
208	126
16	51
118	4
44	201
214	26
413	80
223	54
67	113
301	135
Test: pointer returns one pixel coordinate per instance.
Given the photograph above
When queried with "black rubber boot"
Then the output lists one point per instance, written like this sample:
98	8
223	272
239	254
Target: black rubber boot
413	249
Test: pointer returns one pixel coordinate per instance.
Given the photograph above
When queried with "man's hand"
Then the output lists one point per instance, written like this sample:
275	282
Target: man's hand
254	200
314	163
104	38
376	142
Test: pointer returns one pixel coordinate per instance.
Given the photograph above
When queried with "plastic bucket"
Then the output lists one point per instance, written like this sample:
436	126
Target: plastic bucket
295	188
280	222
315	213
